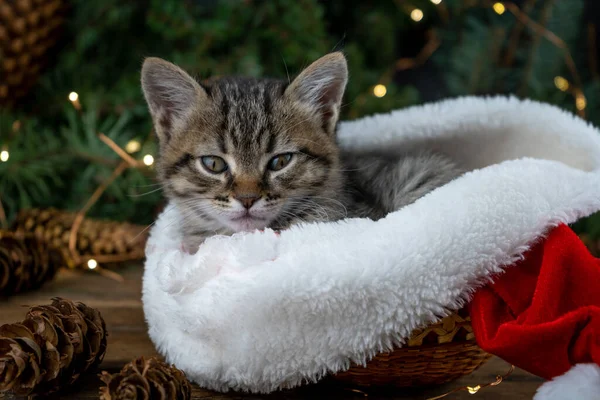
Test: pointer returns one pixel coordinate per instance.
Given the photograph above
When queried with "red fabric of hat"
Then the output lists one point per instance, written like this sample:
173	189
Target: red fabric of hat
543	313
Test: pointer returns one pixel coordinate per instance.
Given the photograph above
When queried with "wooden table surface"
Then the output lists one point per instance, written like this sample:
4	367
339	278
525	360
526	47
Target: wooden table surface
121	307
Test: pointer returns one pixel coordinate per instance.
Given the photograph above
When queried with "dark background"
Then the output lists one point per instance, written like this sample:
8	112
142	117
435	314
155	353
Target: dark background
51	48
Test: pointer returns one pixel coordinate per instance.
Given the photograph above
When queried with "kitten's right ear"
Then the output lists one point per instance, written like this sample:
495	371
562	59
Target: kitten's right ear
171	95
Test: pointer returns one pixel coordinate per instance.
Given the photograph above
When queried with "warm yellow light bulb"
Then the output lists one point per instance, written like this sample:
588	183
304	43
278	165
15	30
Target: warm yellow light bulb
132	146
416	15
148	160
561	83
499	8
4	155
73	96
379	90
580	103
473	390
436	1
92	264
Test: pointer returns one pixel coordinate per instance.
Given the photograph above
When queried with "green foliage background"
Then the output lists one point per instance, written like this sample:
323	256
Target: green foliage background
57	160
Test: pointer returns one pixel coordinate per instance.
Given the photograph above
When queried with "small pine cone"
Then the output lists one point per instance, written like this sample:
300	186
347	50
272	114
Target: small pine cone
95	238
141	379
25	263
51	348
29	29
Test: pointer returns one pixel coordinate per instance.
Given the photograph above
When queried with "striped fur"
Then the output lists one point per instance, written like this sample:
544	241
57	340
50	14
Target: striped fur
247	122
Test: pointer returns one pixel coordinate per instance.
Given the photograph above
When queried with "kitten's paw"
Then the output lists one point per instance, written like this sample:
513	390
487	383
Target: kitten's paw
191	245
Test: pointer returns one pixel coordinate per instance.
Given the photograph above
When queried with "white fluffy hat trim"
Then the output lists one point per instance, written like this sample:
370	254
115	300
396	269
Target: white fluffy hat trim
582	382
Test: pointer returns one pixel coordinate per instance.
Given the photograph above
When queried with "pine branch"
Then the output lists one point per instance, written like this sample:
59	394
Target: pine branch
515	35
537	38
593	51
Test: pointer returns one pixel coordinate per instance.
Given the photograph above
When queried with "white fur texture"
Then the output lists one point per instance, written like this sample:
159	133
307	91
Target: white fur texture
582	382
262	311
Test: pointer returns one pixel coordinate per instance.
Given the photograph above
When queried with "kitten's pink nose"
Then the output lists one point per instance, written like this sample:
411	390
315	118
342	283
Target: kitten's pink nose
247	200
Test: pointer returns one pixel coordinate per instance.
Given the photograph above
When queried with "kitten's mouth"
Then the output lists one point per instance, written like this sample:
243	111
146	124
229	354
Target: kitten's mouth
248	222
247	217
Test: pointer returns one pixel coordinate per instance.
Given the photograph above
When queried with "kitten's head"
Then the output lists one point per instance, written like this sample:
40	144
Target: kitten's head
246	153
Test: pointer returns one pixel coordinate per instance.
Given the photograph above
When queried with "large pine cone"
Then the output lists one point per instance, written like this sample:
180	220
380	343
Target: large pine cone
25	263
95	238
28	29
51	348
141	379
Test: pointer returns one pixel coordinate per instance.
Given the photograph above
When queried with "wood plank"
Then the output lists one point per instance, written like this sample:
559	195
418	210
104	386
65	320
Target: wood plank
121	308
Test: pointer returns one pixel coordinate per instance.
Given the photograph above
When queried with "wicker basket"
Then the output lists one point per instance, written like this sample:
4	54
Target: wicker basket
435	355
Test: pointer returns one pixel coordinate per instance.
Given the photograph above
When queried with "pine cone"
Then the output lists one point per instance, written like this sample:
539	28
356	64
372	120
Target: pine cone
25	263
51	348
94	239
28	29
141	379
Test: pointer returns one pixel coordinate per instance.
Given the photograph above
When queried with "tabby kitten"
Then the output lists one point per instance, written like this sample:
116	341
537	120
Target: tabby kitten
239	154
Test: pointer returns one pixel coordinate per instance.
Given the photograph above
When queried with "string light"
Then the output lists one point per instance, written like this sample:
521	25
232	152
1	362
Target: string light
379	90
92	264
436	2
133	146
499	8
4	155
148	160
74	98
561	83
473	390
416	15
580	103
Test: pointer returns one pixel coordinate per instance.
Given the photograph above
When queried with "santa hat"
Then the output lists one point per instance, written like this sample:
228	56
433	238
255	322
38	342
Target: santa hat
260	312
543	315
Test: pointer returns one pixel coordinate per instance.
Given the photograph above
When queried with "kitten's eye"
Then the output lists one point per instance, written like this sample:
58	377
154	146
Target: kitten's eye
279	162
214	164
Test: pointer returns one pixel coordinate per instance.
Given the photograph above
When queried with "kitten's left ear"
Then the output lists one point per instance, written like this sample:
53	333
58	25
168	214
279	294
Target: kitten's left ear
321	88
